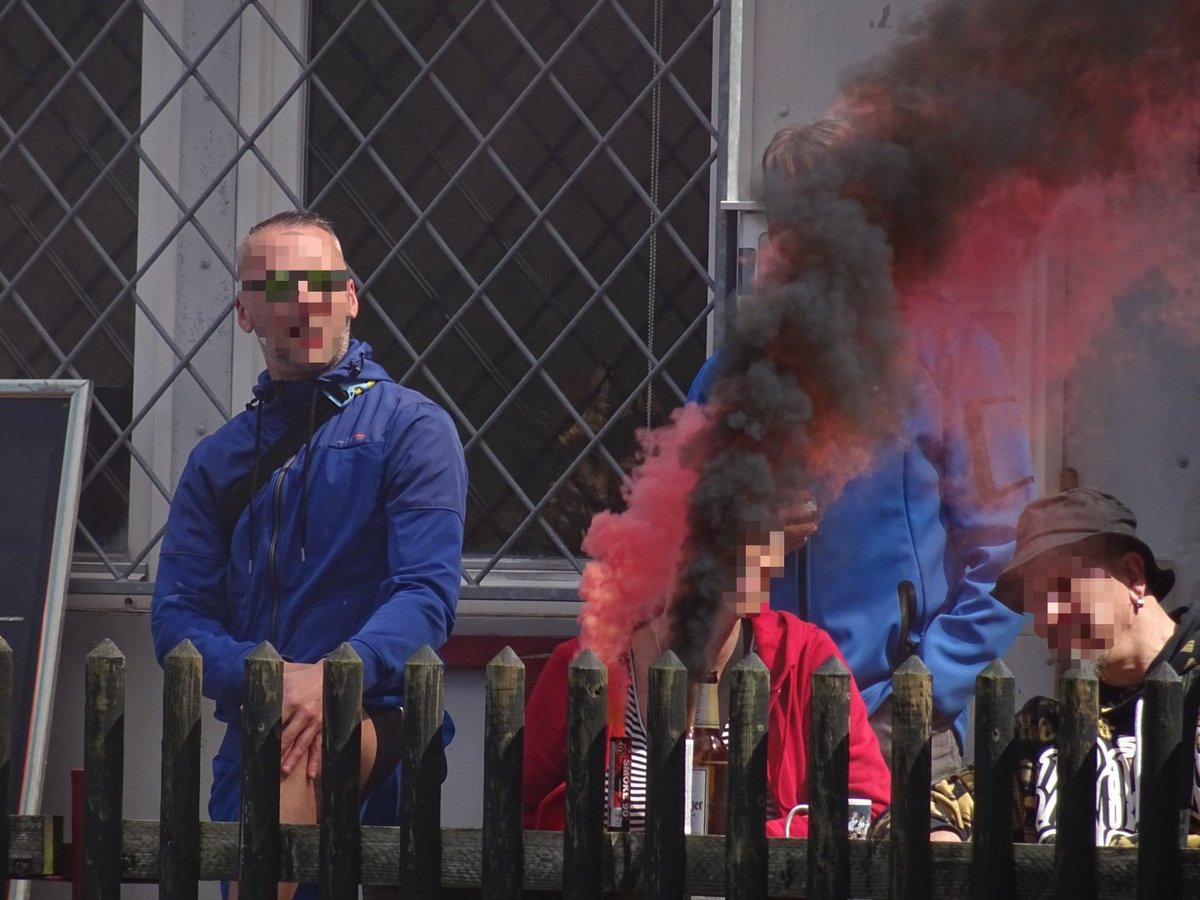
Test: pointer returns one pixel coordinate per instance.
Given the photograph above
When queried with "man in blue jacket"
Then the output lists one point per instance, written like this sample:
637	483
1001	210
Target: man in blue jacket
938	509
330	510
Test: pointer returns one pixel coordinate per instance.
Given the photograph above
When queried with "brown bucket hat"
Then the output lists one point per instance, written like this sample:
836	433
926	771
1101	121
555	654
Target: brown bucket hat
1068	518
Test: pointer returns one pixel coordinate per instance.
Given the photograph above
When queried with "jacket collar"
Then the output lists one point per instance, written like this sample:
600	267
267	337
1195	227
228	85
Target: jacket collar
356	365
769	633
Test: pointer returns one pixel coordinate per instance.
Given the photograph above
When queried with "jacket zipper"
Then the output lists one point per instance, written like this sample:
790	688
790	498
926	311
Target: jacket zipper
272	569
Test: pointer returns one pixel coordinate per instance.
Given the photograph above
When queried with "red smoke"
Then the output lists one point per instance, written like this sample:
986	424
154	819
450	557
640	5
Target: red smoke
1082	247
1002	148
636	553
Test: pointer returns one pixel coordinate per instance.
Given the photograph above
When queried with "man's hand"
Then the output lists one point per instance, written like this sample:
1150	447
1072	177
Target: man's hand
799	522
776	259
303	714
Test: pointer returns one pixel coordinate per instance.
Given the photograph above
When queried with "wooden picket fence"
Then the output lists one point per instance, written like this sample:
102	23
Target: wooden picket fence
500	860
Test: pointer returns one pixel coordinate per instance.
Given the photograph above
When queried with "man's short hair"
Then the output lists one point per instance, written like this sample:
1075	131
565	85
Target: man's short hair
796	150
294	218
289	218
1091	524
793	155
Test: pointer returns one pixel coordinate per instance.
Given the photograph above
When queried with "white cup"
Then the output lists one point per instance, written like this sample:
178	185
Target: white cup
858	821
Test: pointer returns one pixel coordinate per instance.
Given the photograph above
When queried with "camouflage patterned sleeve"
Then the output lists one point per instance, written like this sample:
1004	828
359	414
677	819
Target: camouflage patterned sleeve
1037	777
952	803
951	807
1036	790
1035	785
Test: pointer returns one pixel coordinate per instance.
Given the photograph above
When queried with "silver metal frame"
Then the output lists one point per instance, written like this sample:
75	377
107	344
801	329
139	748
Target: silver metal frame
66	511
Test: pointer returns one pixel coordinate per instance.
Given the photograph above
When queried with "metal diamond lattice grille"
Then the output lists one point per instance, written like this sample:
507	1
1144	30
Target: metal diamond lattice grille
521	187
69	88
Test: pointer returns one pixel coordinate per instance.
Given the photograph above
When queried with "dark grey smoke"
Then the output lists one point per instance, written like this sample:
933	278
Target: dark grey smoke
976	95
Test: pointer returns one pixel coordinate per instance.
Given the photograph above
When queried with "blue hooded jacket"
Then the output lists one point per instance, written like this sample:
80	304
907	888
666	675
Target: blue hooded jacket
939	510
357	538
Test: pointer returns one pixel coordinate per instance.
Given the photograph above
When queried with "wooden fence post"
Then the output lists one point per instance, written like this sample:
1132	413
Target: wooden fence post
1191	715
912	710
1075	844
421	781
1166	763
993	874
1080	870
104	771
828	783
340	864
666	768
179	809
746	837
583	834
503	751
262	714
6	723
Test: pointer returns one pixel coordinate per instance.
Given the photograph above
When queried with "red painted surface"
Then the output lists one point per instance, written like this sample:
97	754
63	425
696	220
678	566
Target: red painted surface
471	651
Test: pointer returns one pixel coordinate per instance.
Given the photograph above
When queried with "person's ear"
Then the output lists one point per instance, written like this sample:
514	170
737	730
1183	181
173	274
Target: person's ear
1133	573
352	296
244	319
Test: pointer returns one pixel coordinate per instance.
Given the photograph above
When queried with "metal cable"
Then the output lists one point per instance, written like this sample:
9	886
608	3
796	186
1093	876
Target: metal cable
659	367
540	217
652	248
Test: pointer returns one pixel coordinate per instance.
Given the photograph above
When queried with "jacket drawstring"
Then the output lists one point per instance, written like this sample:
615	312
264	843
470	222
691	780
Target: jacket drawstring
257	405
254	481
312	419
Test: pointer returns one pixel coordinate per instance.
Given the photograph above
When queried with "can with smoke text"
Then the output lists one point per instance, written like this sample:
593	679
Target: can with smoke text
620	779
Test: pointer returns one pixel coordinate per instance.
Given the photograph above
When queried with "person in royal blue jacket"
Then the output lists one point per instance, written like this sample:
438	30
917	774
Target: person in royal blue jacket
938	509
330	510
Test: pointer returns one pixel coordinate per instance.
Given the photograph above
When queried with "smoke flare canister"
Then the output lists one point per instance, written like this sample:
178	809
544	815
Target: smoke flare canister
620	776
620	750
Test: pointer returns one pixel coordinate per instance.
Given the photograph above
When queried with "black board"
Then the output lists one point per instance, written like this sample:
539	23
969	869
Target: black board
41	441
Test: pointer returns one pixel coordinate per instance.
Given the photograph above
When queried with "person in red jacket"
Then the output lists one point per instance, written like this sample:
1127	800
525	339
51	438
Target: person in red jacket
791	650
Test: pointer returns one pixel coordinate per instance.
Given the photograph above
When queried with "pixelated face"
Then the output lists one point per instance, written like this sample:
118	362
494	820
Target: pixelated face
1075	604
760	558
297	297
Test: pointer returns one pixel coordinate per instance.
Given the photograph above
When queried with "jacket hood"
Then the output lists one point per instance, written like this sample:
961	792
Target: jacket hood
357	364
771	641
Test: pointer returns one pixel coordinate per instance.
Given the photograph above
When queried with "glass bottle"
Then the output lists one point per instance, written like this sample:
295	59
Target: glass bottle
710	791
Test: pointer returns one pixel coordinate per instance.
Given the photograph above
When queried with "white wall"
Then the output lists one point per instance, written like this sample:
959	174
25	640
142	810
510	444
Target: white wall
1133	430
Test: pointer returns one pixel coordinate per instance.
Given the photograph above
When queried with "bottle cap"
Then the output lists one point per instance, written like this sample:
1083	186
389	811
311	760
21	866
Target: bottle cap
708	706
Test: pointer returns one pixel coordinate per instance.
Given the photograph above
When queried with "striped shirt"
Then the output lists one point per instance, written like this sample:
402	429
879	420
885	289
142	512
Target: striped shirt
635	730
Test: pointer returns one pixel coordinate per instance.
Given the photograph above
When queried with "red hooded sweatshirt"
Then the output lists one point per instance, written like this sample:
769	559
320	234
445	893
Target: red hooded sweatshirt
792	650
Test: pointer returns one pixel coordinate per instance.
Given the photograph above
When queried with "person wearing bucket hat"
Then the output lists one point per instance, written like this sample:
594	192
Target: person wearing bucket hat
1099	524
1096	593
